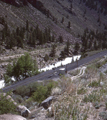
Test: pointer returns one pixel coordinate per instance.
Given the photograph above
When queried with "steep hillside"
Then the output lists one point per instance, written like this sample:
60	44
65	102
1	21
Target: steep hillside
55	14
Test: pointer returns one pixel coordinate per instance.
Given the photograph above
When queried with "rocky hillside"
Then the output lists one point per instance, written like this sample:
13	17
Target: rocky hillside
80	94
64	17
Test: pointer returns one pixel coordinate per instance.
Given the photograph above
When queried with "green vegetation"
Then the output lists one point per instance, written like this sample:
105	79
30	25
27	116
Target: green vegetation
36	91
6	105
99	64
24	66
70	112
98	39
46	58
53	51
66	52
94	84
93	97
81	91
25	35
42	92
26	90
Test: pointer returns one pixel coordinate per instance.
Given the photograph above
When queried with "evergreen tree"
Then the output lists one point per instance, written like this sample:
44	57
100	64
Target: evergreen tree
24	65
95	45
27	25
60	39
67	48
62	20
62	55
69	24
53	51
46	58
76	48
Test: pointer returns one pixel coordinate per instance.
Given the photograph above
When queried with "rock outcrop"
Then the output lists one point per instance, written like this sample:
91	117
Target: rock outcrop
46	103
23	110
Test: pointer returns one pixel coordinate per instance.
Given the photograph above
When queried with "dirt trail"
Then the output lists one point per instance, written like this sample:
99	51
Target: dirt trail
81	73
11	57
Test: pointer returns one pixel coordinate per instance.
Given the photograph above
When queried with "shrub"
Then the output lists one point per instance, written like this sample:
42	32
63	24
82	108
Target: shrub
46	58
94	84
7	79
81	91
26	90
6	105
91	98
42	92
98	65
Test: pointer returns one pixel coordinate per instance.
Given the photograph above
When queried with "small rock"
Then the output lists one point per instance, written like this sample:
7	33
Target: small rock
56	91
50	112
101	83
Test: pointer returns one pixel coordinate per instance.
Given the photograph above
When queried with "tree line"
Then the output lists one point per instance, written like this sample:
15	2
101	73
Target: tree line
27	35
93	40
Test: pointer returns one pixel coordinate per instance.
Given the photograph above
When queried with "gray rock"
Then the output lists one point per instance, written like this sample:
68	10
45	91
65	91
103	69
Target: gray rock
23	110
46	103
25	113
101	83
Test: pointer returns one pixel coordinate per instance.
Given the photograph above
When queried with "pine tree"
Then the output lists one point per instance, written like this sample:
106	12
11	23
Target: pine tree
27	25
69	24
60	39
53	51
62	55
62	20
46	58
67	48
76	48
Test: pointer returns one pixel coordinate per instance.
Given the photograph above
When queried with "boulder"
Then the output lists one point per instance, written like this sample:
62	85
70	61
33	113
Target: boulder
11	117
23	110
25	113
46	103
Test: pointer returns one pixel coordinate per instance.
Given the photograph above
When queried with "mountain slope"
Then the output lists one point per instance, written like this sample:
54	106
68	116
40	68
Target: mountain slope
49	13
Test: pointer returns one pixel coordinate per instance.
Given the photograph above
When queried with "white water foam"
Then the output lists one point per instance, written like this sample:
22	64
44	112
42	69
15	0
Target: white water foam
63	62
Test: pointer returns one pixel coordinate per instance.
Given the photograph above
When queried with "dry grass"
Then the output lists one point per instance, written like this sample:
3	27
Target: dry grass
84	99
